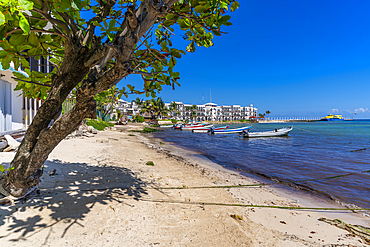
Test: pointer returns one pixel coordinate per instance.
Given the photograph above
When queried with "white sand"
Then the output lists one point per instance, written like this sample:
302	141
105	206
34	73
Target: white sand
102	195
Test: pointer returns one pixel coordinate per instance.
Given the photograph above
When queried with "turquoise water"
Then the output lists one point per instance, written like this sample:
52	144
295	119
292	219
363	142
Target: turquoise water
311	151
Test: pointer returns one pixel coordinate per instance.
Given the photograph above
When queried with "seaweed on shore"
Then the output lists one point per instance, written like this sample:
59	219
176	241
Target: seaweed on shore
146	130
357	230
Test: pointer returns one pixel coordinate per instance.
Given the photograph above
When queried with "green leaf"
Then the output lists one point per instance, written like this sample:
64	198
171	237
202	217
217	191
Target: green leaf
191	47
26	4
76	4
2	168
2	19
23	23
170	16
112	23
201	9
32	39
3	54
17	39
234	6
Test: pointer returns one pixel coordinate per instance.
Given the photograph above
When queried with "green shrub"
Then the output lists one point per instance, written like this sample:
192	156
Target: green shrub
145	130
174	121
98	124
139	119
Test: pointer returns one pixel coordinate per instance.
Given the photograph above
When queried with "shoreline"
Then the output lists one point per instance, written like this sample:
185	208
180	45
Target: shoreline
311	199
104	194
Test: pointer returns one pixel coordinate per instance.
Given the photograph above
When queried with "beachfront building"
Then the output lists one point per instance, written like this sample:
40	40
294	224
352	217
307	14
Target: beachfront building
16	110
211	112
126	108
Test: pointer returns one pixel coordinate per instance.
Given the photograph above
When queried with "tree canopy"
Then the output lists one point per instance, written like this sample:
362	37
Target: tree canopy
92	45
45	28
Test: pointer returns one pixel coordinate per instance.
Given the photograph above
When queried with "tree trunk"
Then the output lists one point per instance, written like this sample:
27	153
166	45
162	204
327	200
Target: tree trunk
40	140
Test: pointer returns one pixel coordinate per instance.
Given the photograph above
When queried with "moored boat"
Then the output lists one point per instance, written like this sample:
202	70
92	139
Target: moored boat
272	133
177	126
231	131
166	126
191	127
332	117
206	129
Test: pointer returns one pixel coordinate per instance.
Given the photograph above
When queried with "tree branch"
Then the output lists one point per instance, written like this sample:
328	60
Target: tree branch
46	85
67	18
146	73
106	8
35	30
55	22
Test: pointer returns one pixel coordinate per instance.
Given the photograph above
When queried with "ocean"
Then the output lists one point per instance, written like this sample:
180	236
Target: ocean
313	150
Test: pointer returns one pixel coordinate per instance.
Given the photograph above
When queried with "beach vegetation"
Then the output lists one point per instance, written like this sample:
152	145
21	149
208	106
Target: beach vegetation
268	113
150	163
139	119
91	46
146	130
106	100
237	217
155	107
99	124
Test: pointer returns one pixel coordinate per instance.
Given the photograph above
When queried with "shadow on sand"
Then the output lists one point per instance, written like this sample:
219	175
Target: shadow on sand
69	195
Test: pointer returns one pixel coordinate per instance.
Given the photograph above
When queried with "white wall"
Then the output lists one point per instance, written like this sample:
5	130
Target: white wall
5	106
17	104
11	102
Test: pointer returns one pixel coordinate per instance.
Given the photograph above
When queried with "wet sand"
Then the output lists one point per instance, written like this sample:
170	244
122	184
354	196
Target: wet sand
104	194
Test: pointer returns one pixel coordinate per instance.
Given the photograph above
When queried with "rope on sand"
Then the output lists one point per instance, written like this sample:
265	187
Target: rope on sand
258	185
241	205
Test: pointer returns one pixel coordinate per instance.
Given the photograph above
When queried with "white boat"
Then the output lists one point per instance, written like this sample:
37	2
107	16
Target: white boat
206	129
272	133
166	126
201	130
231	131
191	127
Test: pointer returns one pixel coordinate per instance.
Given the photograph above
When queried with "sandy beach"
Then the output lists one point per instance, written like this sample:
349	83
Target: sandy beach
103	193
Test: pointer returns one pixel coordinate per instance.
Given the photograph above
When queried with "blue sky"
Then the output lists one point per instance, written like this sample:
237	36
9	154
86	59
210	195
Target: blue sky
293	58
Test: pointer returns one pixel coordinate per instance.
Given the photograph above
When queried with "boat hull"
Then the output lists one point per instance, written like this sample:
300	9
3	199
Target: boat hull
207	129
194	127
231	131
273	133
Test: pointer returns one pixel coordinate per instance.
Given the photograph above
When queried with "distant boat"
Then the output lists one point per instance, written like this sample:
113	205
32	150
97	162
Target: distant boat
166	126
272	133
206	130
231	131
332	117
177	126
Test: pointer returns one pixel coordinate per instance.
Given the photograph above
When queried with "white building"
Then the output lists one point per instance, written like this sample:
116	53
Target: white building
10	103
127	108
16	111
212	112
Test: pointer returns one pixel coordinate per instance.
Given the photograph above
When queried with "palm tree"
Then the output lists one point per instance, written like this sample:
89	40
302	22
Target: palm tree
193	113
138	101
155	107
106	100
268	113
173	108
159	107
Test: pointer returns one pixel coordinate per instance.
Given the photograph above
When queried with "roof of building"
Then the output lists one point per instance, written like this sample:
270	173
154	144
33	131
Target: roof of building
210	104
